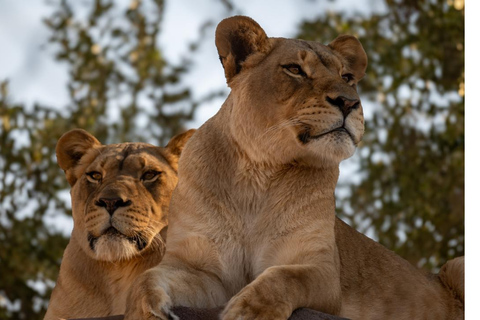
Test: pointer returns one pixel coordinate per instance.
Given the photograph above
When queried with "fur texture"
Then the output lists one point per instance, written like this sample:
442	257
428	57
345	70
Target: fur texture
253	223
120	199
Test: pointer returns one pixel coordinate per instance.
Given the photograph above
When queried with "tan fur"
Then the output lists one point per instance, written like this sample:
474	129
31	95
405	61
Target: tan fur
452	275
252	221
100	264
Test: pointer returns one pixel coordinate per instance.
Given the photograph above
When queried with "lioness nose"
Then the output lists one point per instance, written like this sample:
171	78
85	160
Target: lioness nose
112	204
346	105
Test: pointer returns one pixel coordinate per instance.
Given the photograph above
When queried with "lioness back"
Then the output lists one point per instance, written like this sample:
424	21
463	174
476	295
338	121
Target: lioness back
120	199
378	284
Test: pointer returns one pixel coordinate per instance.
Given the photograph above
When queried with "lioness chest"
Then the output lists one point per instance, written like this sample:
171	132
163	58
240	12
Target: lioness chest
240	218
266	225
120	278
119	289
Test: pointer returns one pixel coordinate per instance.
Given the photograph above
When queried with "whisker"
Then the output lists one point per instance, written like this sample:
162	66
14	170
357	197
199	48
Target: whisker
286	123
280	126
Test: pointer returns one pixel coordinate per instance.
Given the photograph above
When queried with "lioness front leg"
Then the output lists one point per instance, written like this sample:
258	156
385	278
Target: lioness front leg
172	283
279	290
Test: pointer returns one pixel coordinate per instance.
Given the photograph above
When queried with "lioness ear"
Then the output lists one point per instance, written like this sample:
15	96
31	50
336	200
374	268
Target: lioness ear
71	147
176	145
236	38
352	51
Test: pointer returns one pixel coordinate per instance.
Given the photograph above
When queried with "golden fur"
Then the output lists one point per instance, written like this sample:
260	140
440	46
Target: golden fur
252	221
120	198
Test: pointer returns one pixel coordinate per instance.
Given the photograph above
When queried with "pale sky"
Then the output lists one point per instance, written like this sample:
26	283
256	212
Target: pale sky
35	76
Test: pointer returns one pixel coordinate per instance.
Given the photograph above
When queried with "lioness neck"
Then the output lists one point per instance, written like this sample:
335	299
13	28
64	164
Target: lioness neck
254	183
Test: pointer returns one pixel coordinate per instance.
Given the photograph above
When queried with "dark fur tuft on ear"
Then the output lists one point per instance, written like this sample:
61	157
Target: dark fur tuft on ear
71	147
236	38
351	50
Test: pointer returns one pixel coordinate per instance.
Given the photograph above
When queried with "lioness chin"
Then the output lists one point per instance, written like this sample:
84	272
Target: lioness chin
120	198
252	220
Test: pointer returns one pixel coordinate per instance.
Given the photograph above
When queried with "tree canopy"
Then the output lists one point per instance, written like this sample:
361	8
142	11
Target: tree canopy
119	85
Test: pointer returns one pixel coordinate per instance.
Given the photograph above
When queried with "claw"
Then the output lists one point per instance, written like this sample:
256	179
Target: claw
172	316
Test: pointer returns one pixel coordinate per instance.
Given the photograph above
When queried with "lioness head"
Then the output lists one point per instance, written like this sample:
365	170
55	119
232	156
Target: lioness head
120	192
292	99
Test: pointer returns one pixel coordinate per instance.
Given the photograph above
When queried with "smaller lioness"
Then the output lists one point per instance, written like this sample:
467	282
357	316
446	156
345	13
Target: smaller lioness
120	198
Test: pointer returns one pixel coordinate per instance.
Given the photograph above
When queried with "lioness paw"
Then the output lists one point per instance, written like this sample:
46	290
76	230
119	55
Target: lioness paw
152	306
148	301
246	307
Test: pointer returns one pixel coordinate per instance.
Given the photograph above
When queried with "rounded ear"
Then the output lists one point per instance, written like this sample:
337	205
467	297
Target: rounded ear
353	53
236	38
175	147
71	147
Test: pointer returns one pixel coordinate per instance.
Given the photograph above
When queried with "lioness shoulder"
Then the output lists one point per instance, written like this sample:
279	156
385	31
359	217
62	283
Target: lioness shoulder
120	199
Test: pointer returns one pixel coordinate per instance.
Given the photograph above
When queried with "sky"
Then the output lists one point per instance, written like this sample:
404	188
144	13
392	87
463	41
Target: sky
34	76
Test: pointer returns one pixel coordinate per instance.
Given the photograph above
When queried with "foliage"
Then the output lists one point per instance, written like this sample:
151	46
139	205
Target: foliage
119	85
30	182
411	195
115	64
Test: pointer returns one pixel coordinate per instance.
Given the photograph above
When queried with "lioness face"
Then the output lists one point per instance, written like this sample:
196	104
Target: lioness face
120	200
120	194
293	99
314	100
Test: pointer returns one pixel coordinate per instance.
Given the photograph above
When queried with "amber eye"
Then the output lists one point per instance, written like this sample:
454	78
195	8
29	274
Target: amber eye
150	176
294	69
94	176
347	77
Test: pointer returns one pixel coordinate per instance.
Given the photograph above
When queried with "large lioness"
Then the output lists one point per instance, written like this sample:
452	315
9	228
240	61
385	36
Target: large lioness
252	220
120	198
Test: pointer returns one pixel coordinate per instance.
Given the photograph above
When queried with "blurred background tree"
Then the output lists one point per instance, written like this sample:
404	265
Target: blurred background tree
119	85
411	161
409	184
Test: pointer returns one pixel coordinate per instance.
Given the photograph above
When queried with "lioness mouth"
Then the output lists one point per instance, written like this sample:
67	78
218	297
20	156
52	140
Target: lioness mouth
111	231
305	136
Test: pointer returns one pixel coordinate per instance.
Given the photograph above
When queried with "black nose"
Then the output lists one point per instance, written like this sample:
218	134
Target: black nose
345	104
112	204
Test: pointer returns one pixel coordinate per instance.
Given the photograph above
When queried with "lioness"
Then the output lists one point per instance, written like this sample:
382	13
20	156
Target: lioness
252	220
120	198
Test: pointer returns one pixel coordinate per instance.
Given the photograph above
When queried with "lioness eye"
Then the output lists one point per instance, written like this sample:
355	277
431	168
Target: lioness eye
347	77
150	175
294	69
94	176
